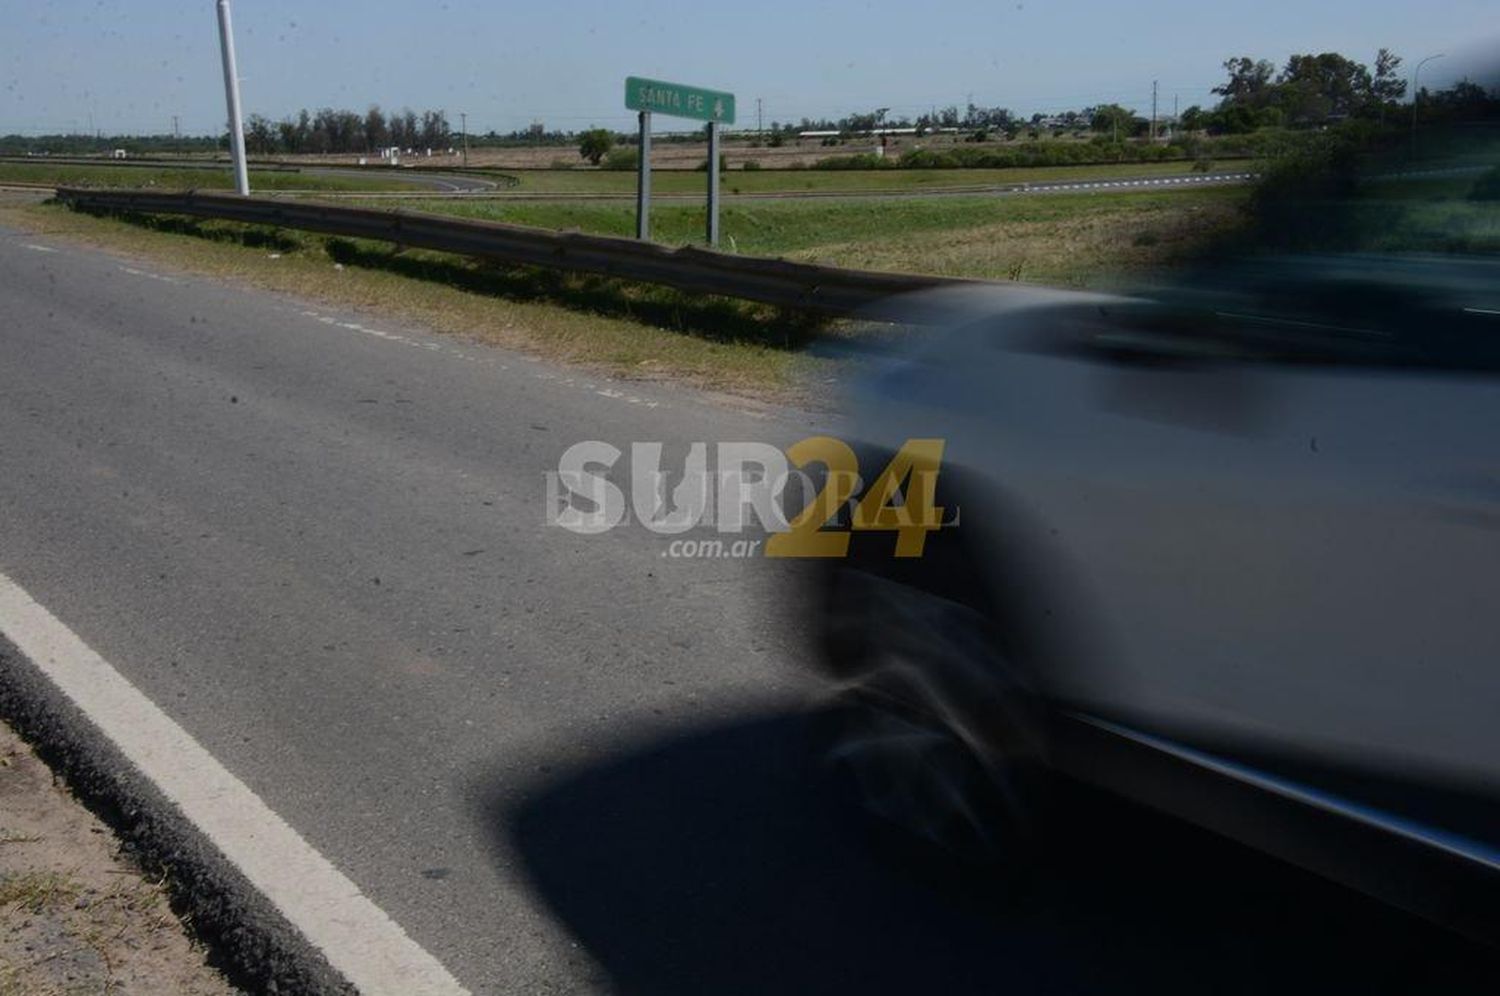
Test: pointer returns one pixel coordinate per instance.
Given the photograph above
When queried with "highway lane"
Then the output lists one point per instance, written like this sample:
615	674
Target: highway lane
451	183
561	763
322	552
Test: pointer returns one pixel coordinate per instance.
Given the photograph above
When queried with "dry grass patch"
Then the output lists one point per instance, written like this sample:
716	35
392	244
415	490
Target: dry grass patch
618	331
75	916
1084	250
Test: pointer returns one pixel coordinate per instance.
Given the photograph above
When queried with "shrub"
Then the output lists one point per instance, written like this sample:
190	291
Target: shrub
751	164
863	160
1487	187
622	157
594	143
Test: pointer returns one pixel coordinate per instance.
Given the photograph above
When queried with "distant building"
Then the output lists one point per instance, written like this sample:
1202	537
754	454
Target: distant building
868	131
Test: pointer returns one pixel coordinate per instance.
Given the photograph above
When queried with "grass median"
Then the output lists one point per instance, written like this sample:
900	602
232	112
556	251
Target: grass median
801	181
1068	239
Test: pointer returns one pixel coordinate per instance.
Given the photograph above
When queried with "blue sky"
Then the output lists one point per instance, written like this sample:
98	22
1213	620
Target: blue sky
129	67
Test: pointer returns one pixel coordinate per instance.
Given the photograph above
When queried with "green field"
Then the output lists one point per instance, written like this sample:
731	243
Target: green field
1057	238
174	178
663	181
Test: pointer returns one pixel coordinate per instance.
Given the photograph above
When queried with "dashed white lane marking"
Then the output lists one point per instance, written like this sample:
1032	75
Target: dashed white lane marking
356	936
437	347
150	276
36	248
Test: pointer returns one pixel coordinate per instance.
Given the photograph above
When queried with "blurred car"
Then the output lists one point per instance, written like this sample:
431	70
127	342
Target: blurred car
1230	548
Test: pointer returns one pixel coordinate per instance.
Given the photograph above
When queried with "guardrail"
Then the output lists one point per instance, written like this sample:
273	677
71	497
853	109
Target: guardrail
804	286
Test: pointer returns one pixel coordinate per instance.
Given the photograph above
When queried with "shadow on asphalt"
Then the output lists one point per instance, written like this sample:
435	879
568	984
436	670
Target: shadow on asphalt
725	861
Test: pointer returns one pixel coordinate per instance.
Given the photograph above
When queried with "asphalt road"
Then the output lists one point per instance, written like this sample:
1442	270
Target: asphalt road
561	763
449	183
464	185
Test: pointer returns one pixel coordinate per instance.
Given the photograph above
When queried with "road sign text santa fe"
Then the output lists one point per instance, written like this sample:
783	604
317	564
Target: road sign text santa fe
679	101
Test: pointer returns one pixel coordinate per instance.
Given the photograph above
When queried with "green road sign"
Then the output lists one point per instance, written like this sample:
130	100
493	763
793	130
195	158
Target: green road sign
678	101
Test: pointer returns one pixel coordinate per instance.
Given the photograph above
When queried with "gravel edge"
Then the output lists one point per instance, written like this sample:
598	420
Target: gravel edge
247	937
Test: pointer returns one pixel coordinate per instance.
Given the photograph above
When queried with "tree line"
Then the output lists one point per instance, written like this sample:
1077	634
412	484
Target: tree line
340	131
1310	90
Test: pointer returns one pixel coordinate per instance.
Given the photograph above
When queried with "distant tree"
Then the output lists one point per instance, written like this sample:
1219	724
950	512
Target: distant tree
260	136
1386	87
404	132
594	144
324	130
1249	81
1113	120
377	135
435	133
1463	101
1193	119
1317	87
302	131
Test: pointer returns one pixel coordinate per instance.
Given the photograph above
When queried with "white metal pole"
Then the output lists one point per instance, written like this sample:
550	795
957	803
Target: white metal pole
643	180
713	184
232	98
1416	97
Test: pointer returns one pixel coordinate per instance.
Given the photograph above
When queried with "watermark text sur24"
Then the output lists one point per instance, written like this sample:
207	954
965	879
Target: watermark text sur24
747	488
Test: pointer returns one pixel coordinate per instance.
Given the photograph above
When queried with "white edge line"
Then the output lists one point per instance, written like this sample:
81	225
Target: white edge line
359	940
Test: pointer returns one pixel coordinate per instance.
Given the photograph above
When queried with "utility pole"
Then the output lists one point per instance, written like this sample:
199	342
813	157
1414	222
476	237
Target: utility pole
232	99
176	131
1153	110
1416	97
463	116
760	125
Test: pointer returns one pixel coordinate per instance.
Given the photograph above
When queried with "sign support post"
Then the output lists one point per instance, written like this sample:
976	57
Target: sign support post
643	180
713	183
682	101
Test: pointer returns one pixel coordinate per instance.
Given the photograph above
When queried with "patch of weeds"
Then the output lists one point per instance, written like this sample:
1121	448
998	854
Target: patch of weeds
34	892
250	236
13	837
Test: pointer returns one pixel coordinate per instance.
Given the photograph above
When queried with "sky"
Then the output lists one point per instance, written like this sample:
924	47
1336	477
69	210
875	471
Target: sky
129	68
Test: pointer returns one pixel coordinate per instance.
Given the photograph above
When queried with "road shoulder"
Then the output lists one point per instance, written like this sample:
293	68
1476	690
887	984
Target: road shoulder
76	913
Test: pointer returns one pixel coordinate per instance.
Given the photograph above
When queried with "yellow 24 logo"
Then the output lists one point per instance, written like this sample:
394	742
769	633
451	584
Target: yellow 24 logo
912	473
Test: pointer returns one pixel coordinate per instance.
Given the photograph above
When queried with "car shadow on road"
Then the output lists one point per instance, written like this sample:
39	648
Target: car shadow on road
726	860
